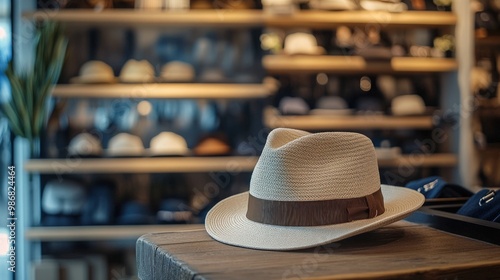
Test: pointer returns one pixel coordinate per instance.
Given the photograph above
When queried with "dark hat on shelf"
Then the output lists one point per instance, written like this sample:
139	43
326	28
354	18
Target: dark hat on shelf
174	211
294	204
134	213
100	204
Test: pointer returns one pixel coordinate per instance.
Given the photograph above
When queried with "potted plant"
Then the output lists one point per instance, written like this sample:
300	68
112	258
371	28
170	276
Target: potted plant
26	111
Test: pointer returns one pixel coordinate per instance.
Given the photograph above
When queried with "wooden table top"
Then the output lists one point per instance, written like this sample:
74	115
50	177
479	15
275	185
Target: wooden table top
402	250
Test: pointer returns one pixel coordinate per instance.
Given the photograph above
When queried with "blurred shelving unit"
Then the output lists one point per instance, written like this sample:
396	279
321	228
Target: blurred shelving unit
164	91
281	64
141	165
87	233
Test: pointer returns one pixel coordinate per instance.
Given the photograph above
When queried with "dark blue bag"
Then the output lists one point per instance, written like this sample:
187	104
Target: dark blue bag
436	187
484	205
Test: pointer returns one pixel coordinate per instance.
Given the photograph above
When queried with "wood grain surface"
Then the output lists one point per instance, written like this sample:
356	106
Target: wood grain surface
402	250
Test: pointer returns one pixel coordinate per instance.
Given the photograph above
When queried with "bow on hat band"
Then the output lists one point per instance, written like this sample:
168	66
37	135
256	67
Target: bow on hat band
315	213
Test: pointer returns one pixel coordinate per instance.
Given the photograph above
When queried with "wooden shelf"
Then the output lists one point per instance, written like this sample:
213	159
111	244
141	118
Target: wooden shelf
142	165
286	64
247	18
84	233
381	19
173	91
130	18
317	122
420	160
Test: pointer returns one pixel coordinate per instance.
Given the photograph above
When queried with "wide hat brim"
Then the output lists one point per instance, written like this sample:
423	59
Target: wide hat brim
227	222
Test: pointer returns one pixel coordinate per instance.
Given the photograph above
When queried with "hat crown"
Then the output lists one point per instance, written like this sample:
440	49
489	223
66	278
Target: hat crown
299	166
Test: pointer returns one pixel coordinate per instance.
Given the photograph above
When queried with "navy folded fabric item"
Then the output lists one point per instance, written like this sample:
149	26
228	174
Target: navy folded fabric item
436	187
100	204
135	213
484	205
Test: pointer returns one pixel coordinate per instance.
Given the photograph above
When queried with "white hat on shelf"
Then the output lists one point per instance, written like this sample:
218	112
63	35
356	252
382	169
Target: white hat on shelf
137	71
95	72
86	145
168	144
409	104
177	71
334	5
302	43
124	145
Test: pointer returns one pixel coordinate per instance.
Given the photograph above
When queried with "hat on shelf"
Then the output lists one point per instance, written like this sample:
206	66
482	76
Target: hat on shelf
331	105
409	104
307	190
100	204
125	144
334	5
212	146
95	72
174	211
134	213
302	43
137	71
168	144
85	145
394	6
212	75
63	197
279	7
385	151
293	106
177	71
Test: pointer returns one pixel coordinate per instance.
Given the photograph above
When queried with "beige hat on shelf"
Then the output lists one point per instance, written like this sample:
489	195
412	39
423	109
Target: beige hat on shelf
168	144
95	72
335	5
124	145
177	71
85	144
307	190
302	43
279	7
137	71
405	105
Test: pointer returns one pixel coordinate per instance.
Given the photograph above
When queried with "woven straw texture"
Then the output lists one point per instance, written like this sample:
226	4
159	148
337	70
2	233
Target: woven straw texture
297	165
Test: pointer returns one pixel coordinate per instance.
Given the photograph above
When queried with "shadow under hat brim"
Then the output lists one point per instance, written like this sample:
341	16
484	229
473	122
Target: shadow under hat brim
227	222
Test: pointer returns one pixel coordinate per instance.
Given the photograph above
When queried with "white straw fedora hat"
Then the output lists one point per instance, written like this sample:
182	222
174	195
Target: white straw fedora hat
307	190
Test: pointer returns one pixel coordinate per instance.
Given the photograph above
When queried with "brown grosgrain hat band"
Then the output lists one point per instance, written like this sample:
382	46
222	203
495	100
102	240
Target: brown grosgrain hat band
315	213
